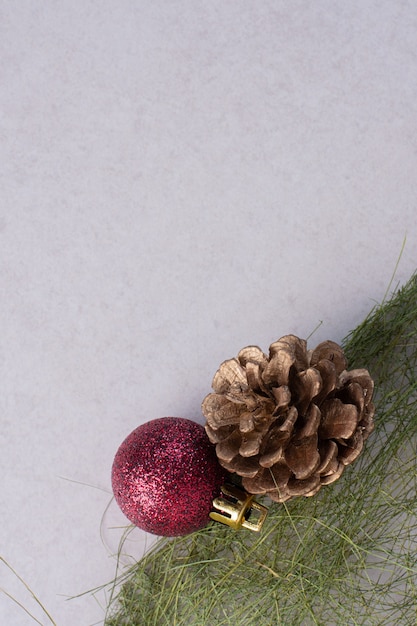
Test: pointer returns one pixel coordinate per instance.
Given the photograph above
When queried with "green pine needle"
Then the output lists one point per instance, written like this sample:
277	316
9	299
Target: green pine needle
346	556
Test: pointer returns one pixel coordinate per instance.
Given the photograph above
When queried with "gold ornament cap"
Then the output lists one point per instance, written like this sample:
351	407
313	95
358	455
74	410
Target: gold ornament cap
234	508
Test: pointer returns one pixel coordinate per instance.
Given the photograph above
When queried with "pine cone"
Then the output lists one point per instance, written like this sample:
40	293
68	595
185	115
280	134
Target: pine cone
290	423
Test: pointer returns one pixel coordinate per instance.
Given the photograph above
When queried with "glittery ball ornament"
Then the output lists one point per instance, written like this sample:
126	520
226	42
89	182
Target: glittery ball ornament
165	476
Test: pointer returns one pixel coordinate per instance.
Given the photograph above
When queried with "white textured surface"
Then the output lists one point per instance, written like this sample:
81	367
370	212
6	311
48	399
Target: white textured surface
177	179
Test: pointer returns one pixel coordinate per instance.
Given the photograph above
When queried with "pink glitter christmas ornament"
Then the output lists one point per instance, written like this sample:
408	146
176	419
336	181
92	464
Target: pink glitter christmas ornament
165	476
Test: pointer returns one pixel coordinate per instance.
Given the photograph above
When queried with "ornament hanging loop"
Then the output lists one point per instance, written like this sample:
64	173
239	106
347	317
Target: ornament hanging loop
235	507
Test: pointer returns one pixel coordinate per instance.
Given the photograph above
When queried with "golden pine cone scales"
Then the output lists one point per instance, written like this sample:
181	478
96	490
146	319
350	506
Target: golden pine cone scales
291	422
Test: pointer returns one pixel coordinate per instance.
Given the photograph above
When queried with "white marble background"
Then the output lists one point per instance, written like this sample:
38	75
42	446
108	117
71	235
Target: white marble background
177	179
